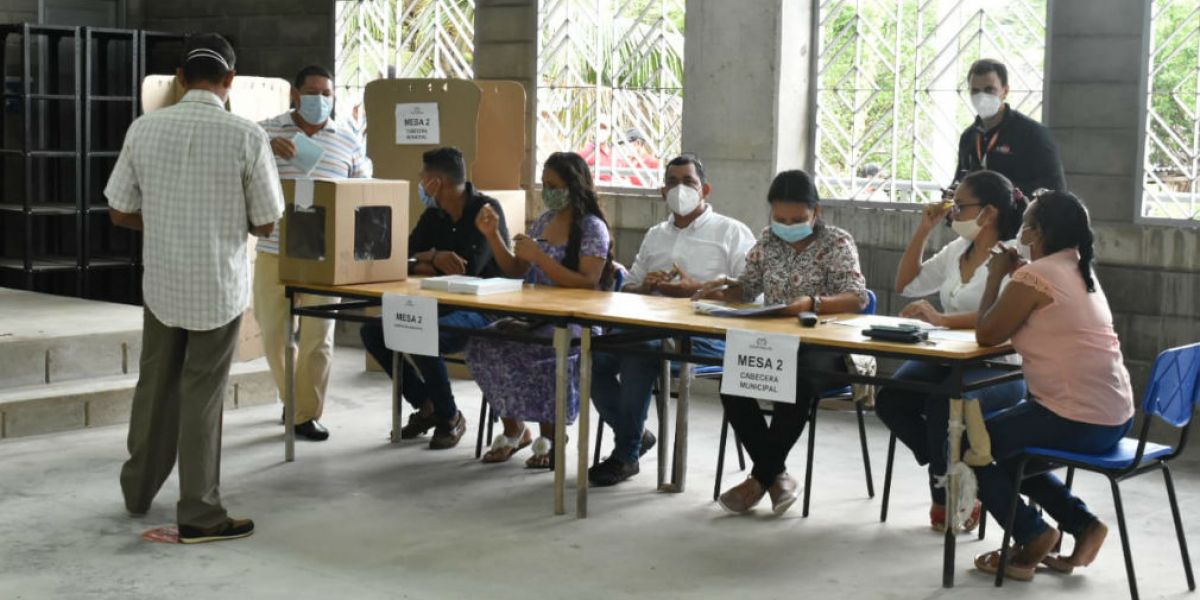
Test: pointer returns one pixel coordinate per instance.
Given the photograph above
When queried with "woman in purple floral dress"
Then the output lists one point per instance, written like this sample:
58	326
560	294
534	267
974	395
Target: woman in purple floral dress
567	246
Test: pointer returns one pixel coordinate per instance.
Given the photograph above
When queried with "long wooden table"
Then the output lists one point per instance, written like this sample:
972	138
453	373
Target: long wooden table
654	317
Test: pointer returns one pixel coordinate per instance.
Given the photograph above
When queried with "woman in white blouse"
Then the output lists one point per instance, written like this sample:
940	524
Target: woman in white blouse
987	210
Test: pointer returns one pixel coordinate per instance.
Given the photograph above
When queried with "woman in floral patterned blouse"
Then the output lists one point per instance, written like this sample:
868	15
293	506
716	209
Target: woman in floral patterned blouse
808	266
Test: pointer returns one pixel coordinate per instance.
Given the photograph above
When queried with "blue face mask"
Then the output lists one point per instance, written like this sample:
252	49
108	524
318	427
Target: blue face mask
791	233
426	199
315	109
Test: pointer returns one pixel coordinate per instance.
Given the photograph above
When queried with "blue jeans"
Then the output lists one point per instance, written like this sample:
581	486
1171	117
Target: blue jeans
1030	424
429	382
919	419
622	387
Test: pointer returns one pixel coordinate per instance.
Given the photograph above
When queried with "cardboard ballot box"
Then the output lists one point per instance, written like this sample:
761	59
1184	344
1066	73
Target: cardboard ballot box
484	119
354	231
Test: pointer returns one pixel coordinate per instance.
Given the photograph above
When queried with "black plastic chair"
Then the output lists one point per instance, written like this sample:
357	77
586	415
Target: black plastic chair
1171	396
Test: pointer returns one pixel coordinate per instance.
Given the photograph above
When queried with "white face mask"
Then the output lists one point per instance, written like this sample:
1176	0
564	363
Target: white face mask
683	199
986	105
1025	250
967	230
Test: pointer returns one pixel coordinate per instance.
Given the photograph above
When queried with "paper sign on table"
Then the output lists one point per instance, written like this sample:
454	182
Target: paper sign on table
308	153
304	194
417	123
410	324
761	365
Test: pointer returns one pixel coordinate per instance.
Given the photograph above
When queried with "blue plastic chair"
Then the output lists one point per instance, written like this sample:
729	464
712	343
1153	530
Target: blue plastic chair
1171	396
844	392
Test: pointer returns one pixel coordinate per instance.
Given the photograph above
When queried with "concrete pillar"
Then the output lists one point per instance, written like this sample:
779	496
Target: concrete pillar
747	100
506	48
1097	60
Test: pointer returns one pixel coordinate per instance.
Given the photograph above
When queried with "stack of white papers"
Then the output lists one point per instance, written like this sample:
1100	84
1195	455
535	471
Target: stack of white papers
442	282
478	286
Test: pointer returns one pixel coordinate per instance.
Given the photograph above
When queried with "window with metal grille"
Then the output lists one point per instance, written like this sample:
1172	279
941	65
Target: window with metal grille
610	85
1171	144
892	95
401	38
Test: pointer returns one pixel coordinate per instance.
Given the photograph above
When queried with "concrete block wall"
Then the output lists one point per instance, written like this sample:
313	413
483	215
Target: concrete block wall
19	11
273	38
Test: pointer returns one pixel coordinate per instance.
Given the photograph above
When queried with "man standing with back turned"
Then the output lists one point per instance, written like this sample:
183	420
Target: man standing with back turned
195	179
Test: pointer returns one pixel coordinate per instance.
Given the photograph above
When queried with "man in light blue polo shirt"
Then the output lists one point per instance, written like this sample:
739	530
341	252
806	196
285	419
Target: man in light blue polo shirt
297	138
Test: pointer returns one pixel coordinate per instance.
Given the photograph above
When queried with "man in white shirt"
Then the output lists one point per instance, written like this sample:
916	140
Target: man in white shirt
342	156
196	180
694	245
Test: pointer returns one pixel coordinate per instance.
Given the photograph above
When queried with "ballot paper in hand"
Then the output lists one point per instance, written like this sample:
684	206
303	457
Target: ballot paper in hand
308	153
729	310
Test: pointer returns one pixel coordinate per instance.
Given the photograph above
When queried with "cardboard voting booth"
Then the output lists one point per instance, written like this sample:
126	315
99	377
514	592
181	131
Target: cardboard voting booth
485	119
344	232
255	98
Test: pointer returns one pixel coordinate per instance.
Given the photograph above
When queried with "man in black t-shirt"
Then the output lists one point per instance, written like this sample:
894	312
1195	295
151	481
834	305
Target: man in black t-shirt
1004	140
444	242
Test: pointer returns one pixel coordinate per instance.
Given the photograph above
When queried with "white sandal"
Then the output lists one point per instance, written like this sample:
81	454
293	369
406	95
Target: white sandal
503	447
543	447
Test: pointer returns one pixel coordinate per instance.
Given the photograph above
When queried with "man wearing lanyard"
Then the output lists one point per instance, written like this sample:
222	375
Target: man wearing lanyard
195	180
1004	140
298	138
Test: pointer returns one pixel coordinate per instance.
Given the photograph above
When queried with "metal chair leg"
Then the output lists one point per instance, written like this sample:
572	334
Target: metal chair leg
812	444
862	440
1008	523
887	479
1183	550
982	524
599	441
721	455
483	408
1116	492
491	421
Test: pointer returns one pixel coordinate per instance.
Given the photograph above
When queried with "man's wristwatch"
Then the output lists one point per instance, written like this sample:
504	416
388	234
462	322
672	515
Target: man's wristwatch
816	304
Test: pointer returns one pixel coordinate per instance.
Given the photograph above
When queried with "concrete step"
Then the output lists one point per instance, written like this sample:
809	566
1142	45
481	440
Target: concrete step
47	339
99	401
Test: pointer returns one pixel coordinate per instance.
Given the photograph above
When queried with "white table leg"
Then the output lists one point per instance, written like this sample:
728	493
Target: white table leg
585	401
561	390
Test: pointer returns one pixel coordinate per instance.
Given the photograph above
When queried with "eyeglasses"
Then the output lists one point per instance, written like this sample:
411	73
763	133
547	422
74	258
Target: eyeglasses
958	208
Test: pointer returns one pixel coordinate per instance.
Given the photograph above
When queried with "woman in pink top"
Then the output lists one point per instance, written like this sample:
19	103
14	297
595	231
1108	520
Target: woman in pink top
1080	398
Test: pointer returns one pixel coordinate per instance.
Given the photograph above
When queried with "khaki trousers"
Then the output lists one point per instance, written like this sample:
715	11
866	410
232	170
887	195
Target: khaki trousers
177	412
315	355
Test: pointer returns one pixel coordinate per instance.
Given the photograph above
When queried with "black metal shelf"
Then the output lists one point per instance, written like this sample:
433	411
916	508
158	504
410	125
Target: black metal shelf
40	265
40	209
94	74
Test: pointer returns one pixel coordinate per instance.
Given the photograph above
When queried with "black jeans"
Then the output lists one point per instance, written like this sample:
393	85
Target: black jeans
769	446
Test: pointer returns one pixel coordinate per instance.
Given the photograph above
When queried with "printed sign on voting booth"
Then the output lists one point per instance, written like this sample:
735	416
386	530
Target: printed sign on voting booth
484	119
761	365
